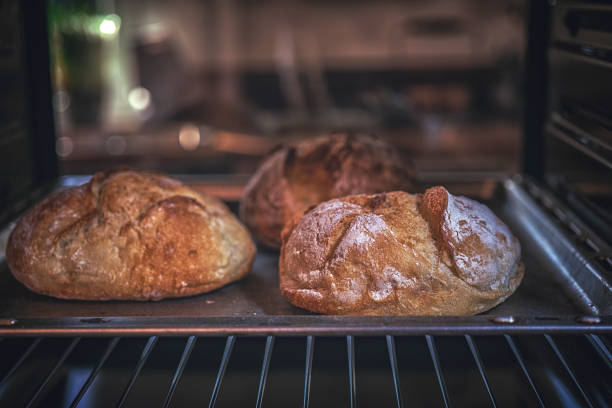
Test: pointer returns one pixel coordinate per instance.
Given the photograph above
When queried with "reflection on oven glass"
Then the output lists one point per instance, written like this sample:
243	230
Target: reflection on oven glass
209	86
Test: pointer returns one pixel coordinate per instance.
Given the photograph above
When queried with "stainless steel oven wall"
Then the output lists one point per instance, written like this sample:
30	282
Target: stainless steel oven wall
579	123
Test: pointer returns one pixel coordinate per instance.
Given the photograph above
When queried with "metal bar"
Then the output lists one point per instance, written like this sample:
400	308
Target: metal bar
308	370
146	351
229	344
586	58
19	362
436	362
601	349
478	360
559	354
350	350
575	142
580	131
179	369
94	372
312	325
519	358
393	362
264	370
56	367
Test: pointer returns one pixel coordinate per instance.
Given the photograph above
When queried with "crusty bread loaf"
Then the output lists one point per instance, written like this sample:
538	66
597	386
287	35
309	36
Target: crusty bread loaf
295	177
399	254
128	235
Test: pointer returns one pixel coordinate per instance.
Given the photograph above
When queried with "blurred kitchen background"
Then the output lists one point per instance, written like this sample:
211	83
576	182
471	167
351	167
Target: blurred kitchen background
208	87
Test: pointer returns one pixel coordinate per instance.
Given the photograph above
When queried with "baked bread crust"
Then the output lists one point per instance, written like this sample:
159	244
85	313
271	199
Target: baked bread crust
399	254
128	235
293	178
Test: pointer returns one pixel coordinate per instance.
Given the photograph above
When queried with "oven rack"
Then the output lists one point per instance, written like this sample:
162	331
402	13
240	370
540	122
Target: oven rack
118	371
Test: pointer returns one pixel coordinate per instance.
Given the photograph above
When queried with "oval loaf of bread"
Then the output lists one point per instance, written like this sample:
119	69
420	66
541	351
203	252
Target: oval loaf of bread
399	254
129	235
295	177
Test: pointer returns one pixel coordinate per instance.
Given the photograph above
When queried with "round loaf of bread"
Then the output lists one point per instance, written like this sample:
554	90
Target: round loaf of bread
128	235
399	254
295	177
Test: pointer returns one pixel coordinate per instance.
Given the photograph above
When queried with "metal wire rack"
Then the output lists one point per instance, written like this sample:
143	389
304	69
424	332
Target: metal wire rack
444	371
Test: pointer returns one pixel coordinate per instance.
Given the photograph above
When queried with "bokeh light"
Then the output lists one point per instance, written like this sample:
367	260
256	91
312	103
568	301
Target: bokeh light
109	25
139	98
189	137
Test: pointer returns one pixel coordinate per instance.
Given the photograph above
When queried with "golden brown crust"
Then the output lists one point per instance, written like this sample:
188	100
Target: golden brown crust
128	235
293	178
395	254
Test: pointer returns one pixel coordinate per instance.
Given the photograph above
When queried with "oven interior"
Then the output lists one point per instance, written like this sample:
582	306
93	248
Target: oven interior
508	103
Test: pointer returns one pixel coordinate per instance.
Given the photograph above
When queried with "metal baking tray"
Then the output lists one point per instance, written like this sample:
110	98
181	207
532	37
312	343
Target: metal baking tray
567	288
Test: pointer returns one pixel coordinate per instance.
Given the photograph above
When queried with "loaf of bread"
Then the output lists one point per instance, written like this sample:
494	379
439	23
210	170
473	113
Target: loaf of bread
399	254
295	177
128	235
